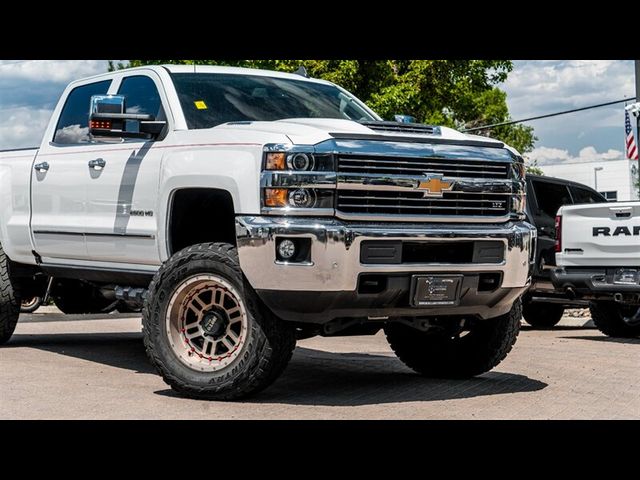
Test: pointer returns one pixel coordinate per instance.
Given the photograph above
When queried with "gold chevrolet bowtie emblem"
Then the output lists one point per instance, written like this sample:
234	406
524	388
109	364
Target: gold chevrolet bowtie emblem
434	186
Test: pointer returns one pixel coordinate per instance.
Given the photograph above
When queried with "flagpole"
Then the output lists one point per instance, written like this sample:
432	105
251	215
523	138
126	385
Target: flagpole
638	119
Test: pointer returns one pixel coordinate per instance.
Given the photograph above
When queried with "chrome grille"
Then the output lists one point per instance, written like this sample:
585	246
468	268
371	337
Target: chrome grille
382	202
383	165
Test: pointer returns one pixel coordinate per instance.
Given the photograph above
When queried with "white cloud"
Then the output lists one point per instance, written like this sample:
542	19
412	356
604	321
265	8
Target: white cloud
29	90
549	155
571	83
537	87
72	134
58	71
22	127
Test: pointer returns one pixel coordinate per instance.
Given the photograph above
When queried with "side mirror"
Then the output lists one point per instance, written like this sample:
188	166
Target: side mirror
404	119
107	118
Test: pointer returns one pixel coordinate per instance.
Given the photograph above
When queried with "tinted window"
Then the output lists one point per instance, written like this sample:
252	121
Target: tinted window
141	95
583	195
209	99
550	197
73	124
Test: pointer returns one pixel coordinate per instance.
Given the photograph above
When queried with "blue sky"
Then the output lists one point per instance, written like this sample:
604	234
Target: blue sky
29	91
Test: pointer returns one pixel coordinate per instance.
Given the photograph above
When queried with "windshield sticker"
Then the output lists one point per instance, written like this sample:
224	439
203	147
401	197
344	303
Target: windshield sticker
200	105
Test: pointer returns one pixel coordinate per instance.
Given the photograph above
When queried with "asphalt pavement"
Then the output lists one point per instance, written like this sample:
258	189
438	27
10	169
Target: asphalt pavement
94	367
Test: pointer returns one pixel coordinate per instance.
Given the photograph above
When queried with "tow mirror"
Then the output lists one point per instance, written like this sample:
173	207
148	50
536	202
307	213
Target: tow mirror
107	118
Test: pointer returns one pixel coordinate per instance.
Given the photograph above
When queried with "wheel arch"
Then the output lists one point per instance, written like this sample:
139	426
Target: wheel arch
199	215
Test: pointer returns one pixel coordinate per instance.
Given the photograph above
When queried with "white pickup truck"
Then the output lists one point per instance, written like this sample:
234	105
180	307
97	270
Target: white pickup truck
598	259
245	209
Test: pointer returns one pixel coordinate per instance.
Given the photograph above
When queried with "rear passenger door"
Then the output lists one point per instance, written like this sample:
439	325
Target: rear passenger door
549	197
60	178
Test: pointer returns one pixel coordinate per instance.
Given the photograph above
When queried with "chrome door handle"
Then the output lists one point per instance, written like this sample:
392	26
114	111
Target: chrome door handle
98	164
41	167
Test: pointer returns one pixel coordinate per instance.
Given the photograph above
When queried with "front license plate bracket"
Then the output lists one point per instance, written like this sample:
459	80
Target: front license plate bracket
435	290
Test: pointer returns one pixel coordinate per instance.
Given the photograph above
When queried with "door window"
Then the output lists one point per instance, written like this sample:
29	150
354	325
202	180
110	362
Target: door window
73	124
583	195
141	96
551	196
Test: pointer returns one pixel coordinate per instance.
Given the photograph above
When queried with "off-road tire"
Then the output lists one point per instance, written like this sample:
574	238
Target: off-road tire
542	315
269	341
34	304
74	297
9	300
608	318
445	356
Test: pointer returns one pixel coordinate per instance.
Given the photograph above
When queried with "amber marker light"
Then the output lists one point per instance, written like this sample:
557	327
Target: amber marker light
276	197
276	161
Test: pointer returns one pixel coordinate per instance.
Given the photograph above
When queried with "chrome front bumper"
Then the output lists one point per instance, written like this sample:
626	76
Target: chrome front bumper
335	251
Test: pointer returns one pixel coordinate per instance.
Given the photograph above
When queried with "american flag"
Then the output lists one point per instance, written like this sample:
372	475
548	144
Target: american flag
632	149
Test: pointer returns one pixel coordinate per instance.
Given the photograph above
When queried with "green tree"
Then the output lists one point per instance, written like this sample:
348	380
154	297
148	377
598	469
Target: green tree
454	93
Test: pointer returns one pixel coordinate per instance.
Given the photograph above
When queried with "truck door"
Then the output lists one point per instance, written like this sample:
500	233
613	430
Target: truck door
122	189
59	180
549	196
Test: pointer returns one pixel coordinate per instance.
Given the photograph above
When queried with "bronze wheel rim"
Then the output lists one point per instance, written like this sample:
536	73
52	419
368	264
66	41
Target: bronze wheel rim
207	323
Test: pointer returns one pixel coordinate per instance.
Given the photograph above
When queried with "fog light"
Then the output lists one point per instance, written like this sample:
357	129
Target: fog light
287	249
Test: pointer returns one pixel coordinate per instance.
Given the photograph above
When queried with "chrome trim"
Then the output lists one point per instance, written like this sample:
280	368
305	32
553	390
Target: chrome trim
375	217
369	181
288	148
298	211
335	251
295	179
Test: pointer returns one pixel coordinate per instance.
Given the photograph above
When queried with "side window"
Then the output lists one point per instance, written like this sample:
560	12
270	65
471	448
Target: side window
141	96
582	195
550	197
73	124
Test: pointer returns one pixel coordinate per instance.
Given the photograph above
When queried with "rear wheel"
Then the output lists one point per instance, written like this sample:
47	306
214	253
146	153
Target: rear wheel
542	315
462	355
30	305
9	301
609	319
74	297
205	330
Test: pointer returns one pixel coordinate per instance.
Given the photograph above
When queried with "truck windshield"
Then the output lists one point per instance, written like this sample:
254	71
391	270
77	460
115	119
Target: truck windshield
210	99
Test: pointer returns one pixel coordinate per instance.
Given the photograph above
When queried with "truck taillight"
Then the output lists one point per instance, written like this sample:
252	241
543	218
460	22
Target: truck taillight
558	233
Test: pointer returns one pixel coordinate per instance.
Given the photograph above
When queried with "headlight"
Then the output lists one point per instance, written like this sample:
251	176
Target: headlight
296	180
300	161
298	198
302	198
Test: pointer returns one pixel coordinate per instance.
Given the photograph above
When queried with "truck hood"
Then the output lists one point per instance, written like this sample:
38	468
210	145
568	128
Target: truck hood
310	131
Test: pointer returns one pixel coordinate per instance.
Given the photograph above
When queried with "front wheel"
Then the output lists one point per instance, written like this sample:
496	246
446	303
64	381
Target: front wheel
609	319
30	305
466	354
542	315
205	330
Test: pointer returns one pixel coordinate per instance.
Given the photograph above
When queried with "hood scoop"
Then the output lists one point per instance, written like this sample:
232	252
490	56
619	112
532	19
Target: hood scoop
397	127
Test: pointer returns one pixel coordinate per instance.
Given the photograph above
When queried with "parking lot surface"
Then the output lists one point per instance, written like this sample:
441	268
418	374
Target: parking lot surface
94	367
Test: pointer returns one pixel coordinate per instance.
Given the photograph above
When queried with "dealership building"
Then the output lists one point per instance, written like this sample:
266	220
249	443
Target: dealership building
615	179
